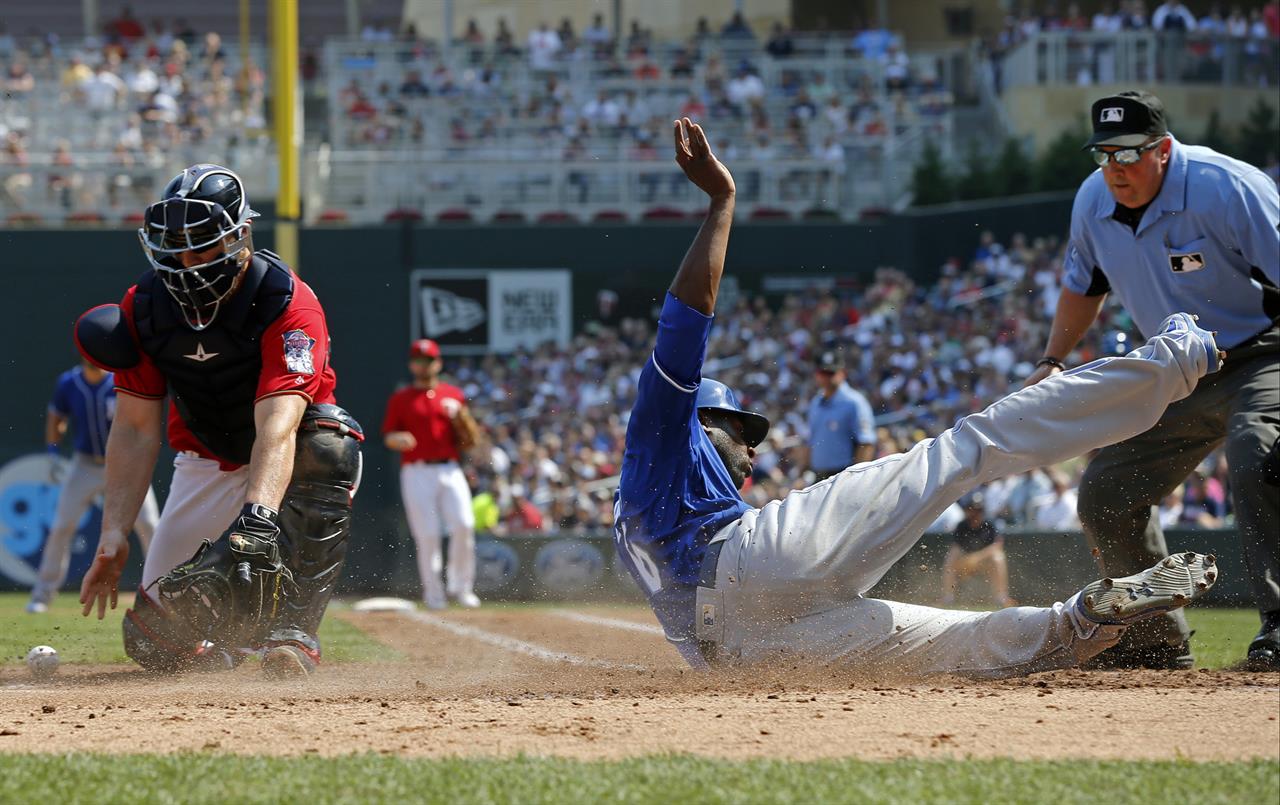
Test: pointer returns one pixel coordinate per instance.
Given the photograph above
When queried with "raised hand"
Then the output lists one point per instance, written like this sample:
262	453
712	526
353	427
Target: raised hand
693	155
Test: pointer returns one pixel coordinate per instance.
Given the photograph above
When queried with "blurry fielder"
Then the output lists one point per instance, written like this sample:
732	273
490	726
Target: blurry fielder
85	397
733	585
429	425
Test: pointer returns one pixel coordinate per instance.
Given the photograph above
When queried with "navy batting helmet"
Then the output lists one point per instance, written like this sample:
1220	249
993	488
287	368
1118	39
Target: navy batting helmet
717	396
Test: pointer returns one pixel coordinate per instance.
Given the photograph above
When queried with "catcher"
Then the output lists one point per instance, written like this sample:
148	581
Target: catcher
240	347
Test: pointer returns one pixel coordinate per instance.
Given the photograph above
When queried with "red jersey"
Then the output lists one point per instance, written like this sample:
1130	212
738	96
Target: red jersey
420	412
291	364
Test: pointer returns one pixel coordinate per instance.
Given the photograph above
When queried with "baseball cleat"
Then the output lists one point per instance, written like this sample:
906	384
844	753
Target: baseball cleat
1264	651
211	659
37	608
468	600
287	662
1173	583
1186	323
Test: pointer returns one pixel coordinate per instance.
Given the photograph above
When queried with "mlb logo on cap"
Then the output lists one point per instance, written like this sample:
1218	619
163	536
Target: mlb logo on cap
1127	119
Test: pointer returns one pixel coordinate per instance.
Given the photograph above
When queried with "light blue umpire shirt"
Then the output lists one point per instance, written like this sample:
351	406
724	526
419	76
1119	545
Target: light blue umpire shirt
836	424
1208	244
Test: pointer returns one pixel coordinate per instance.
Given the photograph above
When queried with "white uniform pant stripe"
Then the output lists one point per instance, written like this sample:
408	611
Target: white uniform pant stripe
437	500
790	577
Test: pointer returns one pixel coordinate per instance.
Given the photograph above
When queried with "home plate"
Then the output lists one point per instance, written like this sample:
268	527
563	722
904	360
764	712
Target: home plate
384	604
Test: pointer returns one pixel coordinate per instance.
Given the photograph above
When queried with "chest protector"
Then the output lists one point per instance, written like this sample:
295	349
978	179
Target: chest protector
213	374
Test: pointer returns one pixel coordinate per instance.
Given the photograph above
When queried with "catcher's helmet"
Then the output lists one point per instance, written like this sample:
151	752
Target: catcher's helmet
203	211
717	396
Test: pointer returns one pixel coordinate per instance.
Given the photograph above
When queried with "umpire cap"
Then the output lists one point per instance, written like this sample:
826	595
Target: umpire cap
1127	119
717	396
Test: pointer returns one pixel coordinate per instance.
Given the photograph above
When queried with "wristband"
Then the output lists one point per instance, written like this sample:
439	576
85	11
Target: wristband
1054	362
260	511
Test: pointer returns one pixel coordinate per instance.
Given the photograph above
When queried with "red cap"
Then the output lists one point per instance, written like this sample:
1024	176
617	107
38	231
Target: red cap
424	348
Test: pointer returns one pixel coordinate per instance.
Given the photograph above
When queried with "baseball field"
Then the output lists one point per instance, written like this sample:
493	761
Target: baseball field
541	703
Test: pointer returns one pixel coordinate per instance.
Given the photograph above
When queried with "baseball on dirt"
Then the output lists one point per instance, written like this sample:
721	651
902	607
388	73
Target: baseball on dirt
42	661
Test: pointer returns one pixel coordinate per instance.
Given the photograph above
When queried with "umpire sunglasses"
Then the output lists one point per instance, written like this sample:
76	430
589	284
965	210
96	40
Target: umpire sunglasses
1122	156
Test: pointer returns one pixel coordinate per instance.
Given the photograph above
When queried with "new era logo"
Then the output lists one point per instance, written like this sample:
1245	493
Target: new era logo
1112	114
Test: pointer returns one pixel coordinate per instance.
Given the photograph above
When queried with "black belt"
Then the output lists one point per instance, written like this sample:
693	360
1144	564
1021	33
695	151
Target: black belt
707	574
433	461
1253	340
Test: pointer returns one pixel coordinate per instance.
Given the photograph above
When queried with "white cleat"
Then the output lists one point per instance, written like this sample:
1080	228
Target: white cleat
1173	583
37	607
468	600
435	603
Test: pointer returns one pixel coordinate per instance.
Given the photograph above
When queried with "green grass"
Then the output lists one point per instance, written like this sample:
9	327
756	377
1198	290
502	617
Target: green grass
88	640
1220	639
217	778
1222	636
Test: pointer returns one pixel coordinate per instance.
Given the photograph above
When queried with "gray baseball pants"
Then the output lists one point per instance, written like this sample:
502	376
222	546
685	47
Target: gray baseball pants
791	576
1240	404
83	480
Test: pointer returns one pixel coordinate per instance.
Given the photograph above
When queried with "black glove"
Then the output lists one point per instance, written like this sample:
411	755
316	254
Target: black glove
230	591
254	539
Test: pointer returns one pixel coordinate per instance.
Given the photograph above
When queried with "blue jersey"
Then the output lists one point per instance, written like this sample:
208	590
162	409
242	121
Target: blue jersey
836	423
1207	244
90	408
674	492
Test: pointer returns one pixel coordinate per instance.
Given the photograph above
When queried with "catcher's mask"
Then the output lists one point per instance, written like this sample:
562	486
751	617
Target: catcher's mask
203	212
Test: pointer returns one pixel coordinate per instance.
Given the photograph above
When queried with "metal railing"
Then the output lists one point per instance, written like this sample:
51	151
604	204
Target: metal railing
367	186
1140	57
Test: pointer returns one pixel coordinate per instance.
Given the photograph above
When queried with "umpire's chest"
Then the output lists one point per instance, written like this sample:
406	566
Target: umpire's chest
1176	253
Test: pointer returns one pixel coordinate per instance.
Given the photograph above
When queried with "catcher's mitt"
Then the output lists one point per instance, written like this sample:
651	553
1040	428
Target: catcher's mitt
230	591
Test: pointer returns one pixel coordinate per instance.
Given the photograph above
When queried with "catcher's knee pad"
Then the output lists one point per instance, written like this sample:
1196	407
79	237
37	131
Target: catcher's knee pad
315	516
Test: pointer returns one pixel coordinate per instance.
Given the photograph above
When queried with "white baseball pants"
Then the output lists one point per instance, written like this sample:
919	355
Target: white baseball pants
83	481
203	500
437	495
791	575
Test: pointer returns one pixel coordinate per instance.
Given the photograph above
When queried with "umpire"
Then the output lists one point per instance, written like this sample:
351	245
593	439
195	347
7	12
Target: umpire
841	423
1168	227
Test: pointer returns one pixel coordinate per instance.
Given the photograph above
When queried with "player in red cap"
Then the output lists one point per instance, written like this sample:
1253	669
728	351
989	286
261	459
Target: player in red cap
429	425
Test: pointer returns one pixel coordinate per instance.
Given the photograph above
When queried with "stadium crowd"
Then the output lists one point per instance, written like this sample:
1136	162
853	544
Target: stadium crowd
89	128
1239	38
561	95
922	355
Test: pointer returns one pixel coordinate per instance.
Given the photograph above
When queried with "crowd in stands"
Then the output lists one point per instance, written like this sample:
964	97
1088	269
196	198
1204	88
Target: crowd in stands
88	129
560	94
923	355
1193	48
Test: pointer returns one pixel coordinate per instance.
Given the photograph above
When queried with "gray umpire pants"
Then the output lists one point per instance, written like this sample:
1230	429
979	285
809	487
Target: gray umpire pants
83	480
791	576
1240	404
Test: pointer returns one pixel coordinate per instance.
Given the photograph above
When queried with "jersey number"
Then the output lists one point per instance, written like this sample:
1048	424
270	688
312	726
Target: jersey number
645	567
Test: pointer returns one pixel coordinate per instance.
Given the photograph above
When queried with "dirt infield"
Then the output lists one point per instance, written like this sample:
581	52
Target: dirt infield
602	684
